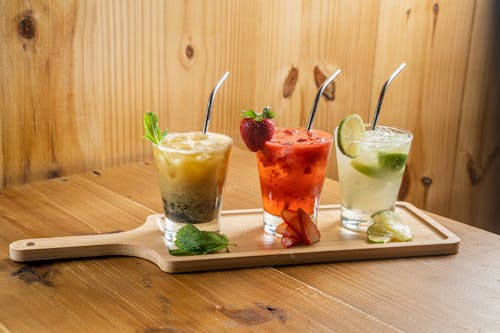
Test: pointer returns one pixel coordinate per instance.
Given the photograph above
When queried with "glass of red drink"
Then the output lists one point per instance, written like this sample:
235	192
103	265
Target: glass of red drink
292	169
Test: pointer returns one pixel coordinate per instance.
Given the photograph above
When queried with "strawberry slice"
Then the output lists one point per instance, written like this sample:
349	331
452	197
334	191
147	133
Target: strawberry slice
285	230
311	233
298	228
292	218
281	228
289	241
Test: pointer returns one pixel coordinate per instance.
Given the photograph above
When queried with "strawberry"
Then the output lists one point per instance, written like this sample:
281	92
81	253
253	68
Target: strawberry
257	128
311	232
291	218
289	241
288	236
298	228
285	230
281	228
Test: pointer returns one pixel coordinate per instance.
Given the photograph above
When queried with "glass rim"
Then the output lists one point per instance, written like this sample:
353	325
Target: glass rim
189	151
297	144
394	128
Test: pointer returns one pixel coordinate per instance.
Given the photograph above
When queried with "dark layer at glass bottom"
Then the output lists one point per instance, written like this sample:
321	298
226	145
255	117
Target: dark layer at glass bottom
193	211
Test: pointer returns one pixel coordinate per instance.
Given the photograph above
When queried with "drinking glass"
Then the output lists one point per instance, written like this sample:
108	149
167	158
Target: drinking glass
292	168
370	181
192	169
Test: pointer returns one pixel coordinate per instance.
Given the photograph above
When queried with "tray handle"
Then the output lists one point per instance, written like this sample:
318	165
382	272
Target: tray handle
69	247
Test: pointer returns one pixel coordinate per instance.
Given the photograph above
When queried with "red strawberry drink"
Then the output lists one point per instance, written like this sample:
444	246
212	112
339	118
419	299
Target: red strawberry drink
292	168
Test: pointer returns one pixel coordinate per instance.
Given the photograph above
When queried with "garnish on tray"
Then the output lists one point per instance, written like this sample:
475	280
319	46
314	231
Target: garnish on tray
192	241
256	128
388	227
297	228
152	130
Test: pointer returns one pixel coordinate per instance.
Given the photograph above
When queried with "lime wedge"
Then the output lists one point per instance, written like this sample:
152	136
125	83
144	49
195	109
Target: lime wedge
377	236
388	225
392	161
367	170
351	129
388	163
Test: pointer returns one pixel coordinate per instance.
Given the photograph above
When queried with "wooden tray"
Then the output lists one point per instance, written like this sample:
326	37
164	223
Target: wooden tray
244	227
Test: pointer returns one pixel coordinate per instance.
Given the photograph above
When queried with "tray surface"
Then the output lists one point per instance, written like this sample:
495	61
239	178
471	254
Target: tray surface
254	248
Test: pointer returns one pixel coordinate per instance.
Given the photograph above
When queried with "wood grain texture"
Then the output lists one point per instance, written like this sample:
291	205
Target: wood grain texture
35	88
76	77
448	294
476	184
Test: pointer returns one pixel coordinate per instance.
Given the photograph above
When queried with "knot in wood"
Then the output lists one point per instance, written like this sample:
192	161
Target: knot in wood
26	27
290	82
435	8
54	173
189	52
319	78
426	181
408	12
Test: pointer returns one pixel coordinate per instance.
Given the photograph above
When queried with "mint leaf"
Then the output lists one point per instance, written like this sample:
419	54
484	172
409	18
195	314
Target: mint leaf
192	241
152	130
189	238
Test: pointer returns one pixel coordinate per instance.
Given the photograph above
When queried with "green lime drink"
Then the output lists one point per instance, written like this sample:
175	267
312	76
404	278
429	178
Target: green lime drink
370	164
192	169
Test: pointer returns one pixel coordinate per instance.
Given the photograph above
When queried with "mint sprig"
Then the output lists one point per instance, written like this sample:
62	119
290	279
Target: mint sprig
192	241
152	131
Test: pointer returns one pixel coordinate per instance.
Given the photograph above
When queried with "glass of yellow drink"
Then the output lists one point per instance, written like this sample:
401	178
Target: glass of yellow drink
192	169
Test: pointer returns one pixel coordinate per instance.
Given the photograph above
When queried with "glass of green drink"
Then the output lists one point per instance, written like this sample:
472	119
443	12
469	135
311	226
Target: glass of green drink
370	165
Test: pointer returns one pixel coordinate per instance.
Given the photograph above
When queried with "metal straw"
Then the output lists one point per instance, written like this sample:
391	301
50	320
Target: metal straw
318	96
382	93
211	101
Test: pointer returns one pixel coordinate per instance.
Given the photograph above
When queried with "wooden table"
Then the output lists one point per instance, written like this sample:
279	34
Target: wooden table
456	293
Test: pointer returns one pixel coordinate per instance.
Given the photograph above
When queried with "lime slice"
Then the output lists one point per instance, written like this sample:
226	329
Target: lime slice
351	129
392	161
388	224
388	163
367	170
377	236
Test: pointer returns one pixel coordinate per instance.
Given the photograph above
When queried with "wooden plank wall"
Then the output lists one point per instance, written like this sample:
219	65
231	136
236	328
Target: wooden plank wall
76	77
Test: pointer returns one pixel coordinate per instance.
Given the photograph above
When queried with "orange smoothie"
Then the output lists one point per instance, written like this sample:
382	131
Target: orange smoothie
292	168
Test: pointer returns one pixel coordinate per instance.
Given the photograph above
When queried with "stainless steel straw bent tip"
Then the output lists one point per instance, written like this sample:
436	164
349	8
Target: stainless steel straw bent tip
382	93
211	101
318	96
